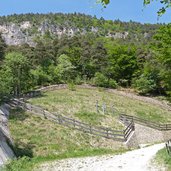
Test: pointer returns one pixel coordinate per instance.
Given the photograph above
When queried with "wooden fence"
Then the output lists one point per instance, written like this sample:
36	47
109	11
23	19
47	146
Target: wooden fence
168	147
118	135
161	127
29	94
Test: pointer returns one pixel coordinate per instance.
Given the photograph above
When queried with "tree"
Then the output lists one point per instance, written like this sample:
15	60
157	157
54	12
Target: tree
40	76
162	49
65	69
144	84
16	68
5	83
165	4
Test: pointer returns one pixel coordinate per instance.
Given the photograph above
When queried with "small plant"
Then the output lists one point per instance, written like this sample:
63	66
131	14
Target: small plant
113	83
100	80
78	80
71	86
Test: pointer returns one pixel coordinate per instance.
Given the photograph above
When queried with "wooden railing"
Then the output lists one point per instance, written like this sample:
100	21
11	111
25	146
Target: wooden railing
30	94
161	127
118	135
168	147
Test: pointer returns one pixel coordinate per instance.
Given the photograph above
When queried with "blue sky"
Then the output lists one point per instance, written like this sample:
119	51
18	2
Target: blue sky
124	10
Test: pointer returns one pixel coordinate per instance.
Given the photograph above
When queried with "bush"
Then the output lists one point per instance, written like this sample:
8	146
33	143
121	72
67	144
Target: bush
71	86
112	83
100	80
78	80
144	84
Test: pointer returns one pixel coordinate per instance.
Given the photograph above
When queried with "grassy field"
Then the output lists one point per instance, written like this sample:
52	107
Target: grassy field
80	104
38	140
163	159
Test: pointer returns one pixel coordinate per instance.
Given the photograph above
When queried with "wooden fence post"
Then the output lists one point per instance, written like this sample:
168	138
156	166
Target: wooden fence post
113	109
97	106
74	123
44	114
59	119
107	131
90	129
104	108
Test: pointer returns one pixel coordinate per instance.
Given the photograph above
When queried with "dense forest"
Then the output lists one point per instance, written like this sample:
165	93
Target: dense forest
142	60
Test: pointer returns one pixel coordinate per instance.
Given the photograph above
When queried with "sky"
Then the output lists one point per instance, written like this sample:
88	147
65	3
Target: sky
125	10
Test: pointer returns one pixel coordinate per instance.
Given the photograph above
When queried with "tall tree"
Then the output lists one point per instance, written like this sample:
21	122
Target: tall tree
162	48
16	67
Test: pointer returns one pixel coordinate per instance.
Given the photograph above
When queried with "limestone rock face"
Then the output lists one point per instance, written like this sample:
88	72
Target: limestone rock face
27	32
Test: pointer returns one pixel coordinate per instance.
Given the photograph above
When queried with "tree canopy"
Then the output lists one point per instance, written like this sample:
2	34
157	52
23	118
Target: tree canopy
140	60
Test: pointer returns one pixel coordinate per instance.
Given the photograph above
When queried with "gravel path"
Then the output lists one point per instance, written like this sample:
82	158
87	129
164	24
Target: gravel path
136	160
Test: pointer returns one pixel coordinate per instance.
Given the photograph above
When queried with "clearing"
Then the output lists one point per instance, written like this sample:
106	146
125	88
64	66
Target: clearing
81	105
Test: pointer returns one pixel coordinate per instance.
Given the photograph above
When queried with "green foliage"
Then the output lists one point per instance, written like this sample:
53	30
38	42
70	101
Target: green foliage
165	4
144	84
82	57
162	46
15	72
113	83
65	68
71	86
40	76
100	80
163	159
21	164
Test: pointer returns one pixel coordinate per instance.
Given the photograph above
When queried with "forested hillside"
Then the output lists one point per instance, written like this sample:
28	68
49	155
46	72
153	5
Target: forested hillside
76	48
26	28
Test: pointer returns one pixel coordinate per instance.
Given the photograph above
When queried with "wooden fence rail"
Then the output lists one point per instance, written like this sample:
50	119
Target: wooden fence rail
30	94
118	135
161	127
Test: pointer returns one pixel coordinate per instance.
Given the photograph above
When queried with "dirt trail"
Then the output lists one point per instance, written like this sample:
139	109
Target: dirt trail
136	160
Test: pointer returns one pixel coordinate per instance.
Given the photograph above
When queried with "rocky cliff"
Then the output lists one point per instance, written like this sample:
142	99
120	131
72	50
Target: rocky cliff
25	32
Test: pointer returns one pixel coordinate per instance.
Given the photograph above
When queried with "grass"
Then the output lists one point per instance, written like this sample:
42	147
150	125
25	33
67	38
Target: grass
80	104
38	140
163	159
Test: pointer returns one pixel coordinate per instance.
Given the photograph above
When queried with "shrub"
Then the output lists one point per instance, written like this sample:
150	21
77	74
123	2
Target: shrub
100	80
71	86
144	84
112	83
78	80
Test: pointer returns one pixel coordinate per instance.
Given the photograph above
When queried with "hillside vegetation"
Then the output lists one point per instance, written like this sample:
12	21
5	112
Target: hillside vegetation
105	53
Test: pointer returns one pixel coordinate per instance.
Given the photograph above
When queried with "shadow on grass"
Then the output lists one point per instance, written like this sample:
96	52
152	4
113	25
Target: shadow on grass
38	96
22	149
18	114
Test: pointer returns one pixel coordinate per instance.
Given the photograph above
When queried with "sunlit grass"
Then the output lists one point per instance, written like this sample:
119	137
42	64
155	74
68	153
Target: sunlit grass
42	140
73	103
